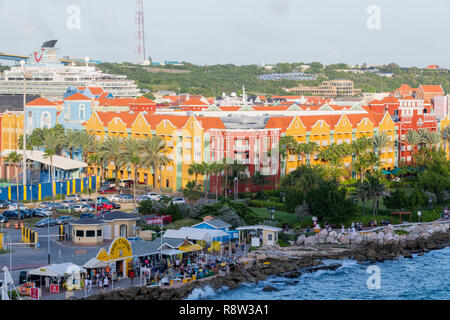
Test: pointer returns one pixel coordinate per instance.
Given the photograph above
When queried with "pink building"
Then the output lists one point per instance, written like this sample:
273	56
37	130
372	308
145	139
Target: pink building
248	147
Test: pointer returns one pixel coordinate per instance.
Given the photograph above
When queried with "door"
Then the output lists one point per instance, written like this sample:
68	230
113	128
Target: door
107	232
123	230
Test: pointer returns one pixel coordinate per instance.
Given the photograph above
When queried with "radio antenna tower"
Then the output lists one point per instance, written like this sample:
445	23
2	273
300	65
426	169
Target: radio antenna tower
140	34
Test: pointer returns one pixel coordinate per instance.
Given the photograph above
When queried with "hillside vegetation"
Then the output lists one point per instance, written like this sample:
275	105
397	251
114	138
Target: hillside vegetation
215	79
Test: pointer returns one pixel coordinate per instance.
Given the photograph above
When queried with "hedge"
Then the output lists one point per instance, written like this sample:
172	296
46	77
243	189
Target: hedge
266	204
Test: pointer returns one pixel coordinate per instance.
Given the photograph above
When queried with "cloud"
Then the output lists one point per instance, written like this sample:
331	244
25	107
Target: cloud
278	7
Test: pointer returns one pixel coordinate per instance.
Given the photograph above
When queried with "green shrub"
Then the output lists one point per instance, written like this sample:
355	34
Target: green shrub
272	193
401	232
145	207
275	199
266	204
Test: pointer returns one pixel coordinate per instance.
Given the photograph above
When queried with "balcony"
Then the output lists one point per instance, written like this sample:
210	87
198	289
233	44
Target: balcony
187	145
169	143
238	147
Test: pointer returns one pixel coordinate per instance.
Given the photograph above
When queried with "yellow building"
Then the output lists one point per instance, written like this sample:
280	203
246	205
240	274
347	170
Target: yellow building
12	129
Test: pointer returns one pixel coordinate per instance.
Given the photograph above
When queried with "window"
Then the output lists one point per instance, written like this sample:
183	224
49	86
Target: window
81	111
90	233
99	233
80	233
269	237
46	120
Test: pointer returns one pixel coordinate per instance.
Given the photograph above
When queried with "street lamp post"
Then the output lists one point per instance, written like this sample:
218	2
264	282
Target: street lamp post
25	116
235	188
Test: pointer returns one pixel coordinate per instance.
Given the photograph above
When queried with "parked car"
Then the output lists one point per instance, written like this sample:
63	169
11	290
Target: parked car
154	196
65	210
3	219
178	201
13	206
3	204
142	198
109	184
45	204
68	203
40	212
107	206
107	190
126	198
79	208
86	215
134	239
87	200
115	205
126	183
64	220
14	214
73	197
88	208
45	222
114	198
26	212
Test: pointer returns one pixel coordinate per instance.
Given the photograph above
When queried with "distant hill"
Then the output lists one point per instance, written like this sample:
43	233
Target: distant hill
215	79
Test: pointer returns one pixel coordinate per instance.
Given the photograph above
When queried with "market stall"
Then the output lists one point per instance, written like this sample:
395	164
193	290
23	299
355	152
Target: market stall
65	275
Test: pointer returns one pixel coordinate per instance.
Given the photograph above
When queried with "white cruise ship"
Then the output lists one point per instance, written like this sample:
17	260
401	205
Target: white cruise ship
51	76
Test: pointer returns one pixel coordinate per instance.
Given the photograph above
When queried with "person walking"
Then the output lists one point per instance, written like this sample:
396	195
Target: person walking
105	282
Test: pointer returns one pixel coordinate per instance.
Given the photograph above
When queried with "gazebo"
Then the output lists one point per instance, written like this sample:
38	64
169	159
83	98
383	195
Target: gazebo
401	215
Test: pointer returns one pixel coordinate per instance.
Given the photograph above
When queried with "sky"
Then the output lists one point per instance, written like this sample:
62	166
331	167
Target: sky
205	32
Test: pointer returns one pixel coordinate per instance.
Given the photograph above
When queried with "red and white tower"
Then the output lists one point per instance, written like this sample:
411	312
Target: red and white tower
140	34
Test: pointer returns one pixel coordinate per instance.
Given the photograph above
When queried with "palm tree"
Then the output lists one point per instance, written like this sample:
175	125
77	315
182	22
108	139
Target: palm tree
53	142
15	159
413	139
216	169
162	160
207	170
379	142
88	144
71	140
432	139
196	169
132	153
192	191
111	149
376	189
362	192
308	149
446	137
152	152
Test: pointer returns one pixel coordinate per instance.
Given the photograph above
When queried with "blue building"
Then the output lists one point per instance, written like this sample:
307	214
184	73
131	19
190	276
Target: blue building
41	113
217	224
76	109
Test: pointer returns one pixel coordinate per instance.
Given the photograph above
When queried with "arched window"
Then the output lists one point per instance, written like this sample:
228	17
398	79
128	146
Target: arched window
123	230
46	120
425	110
81	111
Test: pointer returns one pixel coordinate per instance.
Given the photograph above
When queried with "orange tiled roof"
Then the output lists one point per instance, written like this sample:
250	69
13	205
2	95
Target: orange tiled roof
178	121
77	97
96	90
143	100
279	122
432	88
127	117
41	102
193	101
230	108
211	123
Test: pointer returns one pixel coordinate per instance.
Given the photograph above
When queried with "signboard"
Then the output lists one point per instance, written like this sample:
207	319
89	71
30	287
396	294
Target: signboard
120	249
102	255
25	289
54	288
159	219
112	265
34	293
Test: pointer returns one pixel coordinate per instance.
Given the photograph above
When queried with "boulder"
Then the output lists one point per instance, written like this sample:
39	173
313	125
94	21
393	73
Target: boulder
323	232
269	288
301	239
344	239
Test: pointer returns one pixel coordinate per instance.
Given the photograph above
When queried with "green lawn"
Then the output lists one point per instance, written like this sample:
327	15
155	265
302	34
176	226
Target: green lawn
186	222
282	216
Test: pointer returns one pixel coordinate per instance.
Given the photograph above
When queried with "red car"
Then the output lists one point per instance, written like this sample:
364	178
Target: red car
107	190
103	206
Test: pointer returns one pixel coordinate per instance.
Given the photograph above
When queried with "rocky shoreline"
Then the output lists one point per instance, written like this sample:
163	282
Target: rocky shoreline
291	262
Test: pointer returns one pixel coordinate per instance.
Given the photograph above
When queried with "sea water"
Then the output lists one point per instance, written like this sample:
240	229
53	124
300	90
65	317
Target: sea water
422	277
